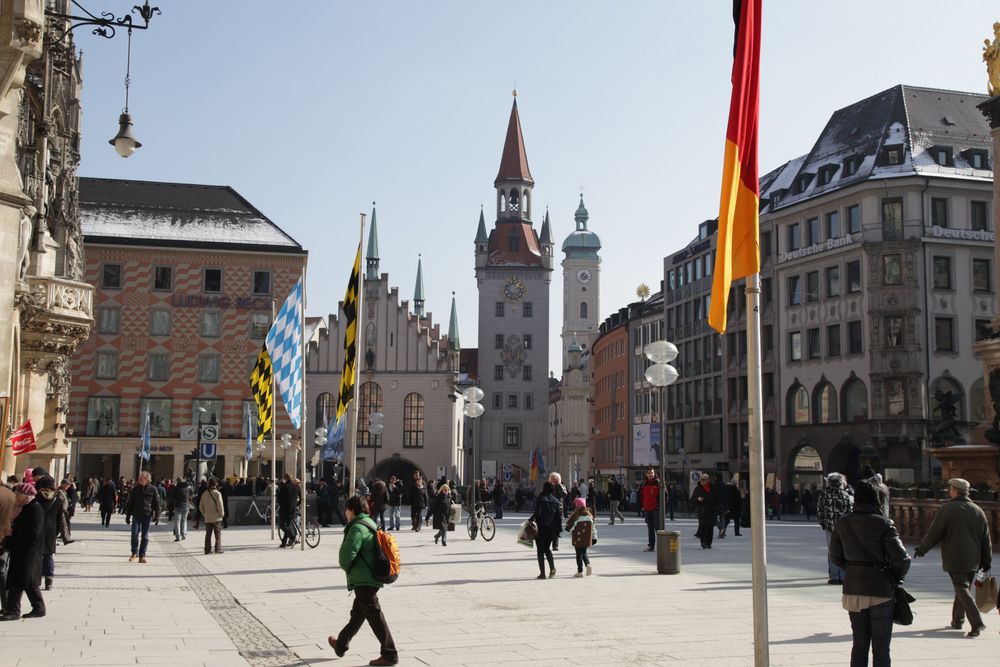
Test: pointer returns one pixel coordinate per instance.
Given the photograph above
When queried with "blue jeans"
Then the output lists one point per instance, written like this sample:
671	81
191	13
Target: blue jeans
836	573
48	565
181	523
872	627
394	517
140	523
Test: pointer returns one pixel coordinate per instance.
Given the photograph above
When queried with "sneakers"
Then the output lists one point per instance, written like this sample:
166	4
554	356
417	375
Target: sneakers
142	559
132	558
974	632
552	573
590	570
332	639
578	575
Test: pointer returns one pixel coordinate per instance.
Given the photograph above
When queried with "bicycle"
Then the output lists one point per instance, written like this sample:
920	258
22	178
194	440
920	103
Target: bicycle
254	509
312	533
481	523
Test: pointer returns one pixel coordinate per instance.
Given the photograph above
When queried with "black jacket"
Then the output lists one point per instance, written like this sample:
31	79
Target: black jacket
441	508
288	497
548	513
866	545
614	491
50	527
107	496
734	501
143	501
418	497
396	494
180	496
25	546
705	503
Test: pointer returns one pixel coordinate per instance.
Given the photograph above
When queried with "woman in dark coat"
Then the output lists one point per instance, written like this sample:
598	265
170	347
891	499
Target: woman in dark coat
25	547
52	504
548	516
441	508
418	501
379	500
107	499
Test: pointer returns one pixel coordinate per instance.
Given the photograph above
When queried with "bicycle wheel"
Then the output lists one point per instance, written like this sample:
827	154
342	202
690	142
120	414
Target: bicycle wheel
267	515
488	528
312	534
471	525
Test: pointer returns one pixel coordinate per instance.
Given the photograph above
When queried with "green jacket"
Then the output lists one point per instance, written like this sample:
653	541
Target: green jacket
357	553
960	527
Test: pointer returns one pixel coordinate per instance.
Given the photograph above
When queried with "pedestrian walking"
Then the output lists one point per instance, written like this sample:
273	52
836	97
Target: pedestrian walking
560	493
225	490
497	494
379	501
324	504
418	501
961	528
25	546
614	500
731	497
441	508
581	529
52	506
67	494
180	496
8	505
198	492
833	502
866	546
395	488
548	516
288	499
106	501
141	507
213	510
357	554
649	499
705	500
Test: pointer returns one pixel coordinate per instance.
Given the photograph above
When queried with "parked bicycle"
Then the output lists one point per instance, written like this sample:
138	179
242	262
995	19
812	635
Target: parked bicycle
264	514
481	523
312	534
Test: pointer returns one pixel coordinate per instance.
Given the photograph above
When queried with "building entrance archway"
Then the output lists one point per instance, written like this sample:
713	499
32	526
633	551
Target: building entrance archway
846	459
805	468
402	469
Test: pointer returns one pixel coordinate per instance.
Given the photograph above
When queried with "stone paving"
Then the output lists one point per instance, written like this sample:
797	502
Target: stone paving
470	603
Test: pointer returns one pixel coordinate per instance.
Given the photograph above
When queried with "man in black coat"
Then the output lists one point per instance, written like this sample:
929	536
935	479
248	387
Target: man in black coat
288	500
25	547
53	506
705	500
141	507
226	490
734	507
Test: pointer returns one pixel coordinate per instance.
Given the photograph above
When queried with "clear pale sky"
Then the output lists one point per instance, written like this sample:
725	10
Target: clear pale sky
312	110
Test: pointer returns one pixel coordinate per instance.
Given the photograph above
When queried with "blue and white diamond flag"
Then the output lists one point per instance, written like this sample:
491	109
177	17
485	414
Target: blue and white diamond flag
284	344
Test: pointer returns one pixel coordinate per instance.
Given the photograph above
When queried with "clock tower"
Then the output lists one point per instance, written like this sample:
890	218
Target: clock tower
513	271
581	286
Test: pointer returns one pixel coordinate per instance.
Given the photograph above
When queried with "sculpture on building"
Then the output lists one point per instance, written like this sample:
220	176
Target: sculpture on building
24	241
991	55
946	432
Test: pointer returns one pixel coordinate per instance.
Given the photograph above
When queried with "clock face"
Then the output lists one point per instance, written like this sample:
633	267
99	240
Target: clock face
513	289
584	276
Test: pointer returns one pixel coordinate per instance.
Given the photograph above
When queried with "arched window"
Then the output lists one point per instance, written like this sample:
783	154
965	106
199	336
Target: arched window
944	385
413	420
583	310
807	460
326	409
977	402
825	402
503	201
369	401
526	200
855	397
798	405
515	201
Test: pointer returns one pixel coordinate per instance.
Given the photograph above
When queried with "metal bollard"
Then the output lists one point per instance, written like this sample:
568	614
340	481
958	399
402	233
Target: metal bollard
668	552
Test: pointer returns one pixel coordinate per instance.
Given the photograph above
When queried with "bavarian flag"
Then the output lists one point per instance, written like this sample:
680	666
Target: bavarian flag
348	375
261	388
738	247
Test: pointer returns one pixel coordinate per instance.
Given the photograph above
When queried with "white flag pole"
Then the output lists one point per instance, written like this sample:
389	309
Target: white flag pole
274	438
302	411
755	427
357	352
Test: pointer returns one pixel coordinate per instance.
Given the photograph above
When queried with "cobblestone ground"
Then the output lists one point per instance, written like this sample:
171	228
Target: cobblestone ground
470	603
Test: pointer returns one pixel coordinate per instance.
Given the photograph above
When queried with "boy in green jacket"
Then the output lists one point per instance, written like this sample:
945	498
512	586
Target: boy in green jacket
357	555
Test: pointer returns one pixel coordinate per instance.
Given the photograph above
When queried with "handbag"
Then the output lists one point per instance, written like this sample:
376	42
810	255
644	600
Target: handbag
901	599
986	594
522	536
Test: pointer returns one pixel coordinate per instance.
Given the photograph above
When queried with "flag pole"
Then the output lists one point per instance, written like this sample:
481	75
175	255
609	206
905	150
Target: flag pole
357	347
274	440
755	426
302	412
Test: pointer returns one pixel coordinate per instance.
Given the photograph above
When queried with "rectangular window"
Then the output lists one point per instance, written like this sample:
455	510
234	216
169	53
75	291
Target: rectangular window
812	286
765	246
794	236
498	341
497	400
981	281
942	272
512	436
107	365
163	278
795	346
980	216
526	373
208	368
794	291
765	291
855	338
498	372
260	324
895	397
159	416
813	344
983	329
892	270
108	319
833	224
894	155
212	414
527	341
944	334
853	277
833	340
159	366
833	281
512	401
212	281
211	324
529	401
854	219
812	228
111	276
526	309
102	416
939	211
894	331
892	219
159	323
261	282
498	309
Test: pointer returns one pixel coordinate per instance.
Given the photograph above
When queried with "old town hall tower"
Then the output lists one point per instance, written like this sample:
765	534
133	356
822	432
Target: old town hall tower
513	271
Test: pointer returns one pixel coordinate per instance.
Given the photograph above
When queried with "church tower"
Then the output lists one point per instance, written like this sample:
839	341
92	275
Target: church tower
513	272
581	285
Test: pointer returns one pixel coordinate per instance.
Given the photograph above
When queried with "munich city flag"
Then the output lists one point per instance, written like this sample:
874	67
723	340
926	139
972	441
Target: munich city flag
260	387
348	376
738	248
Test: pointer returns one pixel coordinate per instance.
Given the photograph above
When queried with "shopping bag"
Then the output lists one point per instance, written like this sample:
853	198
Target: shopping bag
525	537
986	594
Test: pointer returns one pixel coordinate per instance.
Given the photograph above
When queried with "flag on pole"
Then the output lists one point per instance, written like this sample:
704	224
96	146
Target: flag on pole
334	448
260	387
249	427
146	447
23	439
533	464
347	377
541	463
738	245
284	345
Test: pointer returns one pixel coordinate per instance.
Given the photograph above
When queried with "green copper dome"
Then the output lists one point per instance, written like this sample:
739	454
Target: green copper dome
581	243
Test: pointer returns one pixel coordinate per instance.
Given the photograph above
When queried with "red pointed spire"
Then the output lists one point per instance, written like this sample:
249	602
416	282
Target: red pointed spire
514	162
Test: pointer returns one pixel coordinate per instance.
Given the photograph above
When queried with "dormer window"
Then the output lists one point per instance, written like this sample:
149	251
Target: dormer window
942	155
777	196
851	165
802	182
826	174
513	243
893	155
977	158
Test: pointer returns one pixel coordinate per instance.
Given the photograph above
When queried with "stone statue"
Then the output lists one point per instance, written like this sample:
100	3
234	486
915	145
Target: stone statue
946	431
993	433
24	241
991	55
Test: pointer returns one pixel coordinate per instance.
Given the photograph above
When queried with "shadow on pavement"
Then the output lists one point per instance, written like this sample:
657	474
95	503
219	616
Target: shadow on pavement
828	637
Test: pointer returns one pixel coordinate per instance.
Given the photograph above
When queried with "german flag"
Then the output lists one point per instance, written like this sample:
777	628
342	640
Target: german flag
261	386
738	248
348	375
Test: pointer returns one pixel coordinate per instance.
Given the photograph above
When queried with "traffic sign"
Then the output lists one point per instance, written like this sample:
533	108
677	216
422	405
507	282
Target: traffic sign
508	472
209	432
209	450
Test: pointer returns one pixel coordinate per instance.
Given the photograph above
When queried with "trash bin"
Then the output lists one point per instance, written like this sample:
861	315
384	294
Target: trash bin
668	551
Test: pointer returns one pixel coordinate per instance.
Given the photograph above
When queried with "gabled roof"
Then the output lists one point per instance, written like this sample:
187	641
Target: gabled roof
114	211
514	161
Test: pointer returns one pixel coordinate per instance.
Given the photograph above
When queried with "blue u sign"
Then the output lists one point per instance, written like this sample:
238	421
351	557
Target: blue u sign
209	450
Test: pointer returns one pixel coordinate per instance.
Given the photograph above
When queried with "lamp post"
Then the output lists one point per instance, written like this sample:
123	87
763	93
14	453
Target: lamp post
684	482
197	465
473	409
661	374
375	428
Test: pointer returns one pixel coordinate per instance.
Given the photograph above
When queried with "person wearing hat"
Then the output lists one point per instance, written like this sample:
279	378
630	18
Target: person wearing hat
960	527
53	507
25	547
832	503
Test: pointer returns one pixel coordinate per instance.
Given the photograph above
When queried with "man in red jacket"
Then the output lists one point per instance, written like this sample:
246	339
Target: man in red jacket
649	500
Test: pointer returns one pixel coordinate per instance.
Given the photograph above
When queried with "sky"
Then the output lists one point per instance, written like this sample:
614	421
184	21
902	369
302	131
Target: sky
313	110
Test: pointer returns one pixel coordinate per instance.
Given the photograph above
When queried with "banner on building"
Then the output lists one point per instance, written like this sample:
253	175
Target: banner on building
646	445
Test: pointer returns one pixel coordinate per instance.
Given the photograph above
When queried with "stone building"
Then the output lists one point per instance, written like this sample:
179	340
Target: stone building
612	427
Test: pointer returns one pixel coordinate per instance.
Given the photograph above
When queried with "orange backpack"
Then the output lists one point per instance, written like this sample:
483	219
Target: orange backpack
387	563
